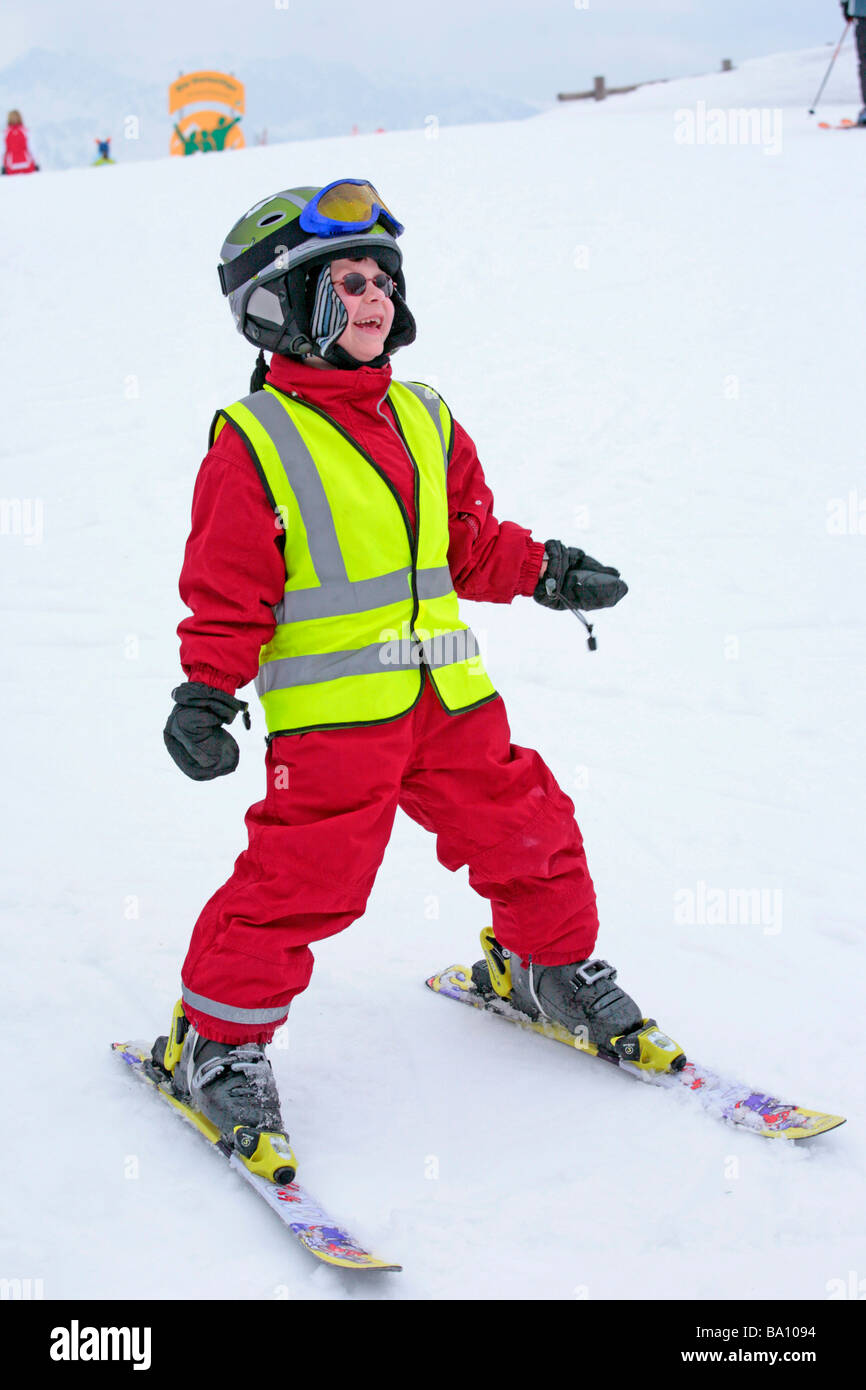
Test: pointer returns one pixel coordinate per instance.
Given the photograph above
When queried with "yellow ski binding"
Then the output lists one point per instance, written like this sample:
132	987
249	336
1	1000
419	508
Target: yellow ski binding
266	1153
649	1049
499	962
174	1042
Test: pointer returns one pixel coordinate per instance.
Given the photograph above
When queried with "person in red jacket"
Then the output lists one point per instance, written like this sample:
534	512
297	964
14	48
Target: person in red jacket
324	291
17	158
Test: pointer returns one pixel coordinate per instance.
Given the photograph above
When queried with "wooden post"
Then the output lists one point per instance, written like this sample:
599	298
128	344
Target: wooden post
598	89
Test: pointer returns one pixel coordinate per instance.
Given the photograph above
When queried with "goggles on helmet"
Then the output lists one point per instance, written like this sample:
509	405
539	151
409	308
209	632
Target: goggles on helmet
346	207
349	205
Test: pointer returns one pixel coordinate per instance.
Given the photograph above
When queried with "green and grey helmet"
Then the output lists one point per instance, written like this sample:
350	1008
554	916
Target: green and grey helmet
269	267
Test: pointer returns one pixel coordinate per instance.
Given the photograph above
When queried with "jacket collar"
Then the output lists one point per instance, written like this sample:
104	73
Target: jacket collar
330	388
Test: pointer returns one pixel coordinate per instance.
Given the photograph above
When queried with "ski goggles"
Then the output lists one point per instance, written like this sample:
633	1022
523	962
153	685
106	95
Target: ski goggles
348	205
342	208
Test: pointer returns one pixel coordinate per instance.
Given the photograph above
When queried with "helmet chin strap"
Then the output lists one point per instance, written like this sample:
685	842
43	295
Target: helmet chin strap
260	371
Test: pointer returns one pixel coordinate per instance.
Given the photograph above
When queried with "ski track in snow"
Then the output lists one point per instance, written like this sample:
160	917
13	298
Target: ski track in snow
684	407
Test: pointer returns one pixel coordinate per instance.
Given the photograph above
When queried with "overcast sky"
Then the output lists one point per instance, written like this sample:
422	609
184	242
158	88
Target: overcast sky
527	48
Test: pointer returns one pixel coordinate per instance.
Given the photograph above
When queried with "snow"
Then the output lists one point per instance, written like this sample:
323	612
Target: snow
656	347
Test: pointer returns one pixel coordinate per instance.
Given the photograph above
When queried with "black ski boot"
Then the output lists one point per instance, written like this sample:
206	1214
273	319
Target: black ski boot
233	1087
580	998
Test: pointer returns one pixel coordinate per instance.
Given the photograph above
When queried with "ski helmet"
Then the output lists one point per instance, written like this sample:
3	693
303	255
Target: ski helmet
270	265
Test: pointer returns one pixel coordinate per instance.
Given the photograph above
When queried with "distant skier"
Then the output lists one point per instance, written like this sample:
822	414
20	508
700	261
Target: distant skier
855	12
17	159
103	152
336	518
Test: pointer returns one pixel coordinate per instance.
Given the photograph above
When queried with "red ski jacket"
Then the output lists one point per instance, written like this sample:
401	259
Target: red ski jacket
17	158
233	571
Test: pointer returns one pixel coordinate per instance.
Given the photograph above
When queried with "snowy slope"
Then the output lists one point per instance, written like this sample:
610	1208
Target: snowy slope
656	347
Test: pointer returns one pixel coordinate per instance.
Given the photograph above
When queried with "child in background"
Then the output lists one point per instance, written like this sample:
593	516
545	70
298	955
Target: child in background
17	158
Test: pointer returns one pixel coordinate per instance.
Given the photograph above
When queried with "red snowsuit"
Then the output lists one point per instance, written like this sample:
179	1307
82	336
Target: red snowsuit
317	839
18	159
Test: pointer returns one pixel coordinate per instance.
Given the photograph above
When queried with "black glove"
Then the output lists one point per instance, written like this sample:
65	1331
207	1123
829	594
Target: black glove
194	735
574	580
844	4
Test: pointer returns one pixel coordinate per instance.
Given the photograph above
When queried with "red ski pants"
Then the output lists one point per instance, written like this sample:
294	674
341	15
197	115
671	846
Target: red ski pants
319	836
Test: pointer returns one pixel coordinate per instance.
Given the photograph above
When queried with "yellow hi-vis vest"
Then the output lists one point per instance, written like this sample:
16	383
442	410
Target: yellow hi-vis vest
366	603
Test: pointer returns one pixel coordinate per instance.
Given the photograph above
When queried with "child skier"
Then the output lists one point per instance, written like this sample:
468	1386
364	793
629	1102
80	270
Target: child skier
336	518
17	158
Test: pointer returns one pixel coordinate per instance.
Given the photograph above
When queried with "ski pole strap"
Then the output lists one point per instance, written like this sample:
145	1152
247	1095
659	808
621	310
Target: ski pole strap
550	586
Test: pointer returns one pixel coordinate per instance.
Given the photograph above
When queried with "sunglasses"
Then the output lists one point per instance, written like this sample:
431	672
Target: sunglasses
355	283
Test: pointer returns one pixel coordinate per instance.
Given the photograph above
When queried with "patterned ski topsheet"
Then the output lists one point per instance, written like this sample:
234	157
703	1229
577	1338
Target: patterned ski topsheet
296	1208
719	1095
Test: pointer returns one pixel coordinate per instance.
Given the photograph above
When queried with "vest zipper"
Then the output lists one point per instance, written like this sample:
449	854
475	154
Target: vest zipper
398	428
427	671
413	540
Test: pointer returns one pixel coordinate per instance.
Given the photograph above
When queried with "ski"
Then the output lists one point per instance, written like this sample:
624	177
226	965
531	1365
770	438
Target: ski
308	1222
720	1096
841	125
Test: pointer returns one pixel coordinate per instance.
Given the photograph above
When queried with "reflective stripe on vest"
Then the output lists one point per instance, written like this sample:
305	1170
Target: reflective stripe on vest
366	602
